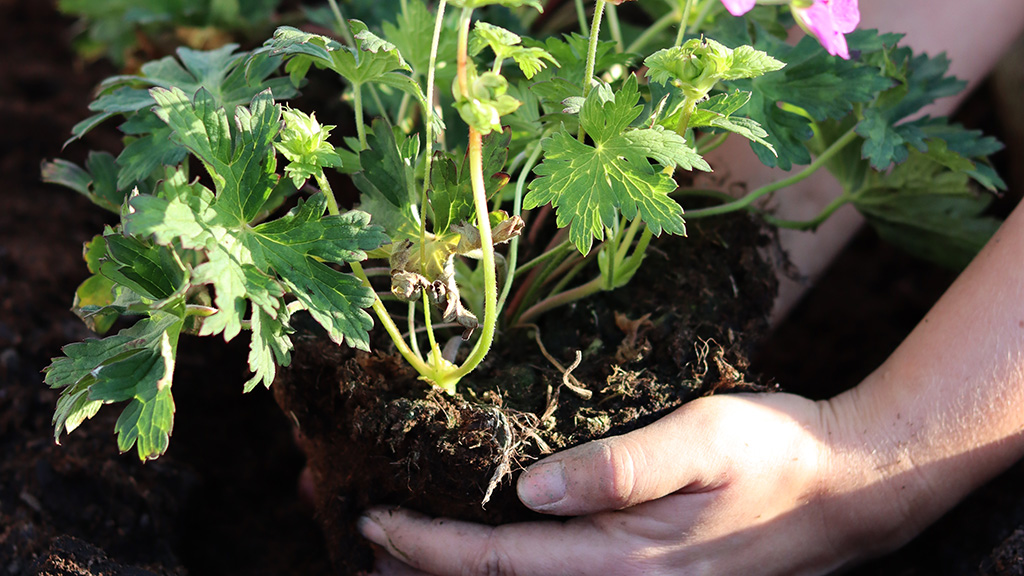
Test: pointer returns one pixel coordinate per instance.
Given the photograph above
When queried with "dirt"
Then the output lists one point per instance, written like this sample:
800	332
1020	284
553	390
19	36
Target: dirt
224	501
376	435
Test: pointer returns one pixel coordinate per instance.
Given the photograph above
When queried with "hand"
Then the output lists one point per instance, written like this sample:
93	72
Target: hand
740	484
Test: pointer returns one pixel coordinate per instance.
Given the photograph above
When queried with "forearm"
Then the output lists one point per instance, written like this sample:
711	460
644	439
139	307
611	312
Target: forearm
972	35
945	412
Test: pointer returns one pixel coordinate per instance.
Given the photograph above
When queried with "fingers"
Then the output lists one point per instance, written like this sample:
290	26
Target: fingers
444	546
675	453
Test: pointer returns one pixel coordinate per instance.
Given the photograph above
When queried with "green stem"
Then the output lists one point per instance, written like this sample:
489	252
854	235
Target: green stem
684	22
689	105
653	30
462	55
746	201
581	14
701	17
389	325
428	129
595	32
588	74
593	287
613	27
641	248
707	144
414	344
428	325
342	26
325	187
357	92
813	223
517	209
483	225
547	255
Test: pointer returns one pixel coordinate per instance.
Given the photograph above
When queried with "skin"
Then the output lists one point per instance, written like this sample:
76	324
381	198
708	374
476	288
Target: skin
779	484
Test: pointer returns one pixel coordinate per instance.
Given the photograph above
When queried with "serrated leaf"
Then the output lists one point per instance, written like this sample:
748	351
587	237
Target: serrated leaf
150	270
236	160
927	209
590	185
413	34
821	86
135	365
270	347
716	112
295	248
505	44
97	182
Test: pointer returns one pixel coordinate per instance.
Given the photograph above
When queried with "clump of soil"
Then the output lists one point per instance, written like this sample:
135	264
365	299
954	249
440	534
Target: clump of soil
376	435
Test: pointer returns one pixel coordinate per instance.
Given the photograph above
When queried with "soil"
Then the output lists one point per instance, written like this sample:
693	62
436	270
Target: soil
375	435
224	500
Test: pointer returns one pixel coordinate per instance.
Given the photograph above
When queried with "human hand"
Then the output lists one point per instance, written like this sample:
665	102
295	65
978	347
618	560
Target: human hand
738	484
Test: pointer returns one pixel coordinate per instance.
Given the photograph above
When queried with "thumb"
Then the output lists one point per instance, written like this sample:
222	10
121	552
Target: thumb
667	456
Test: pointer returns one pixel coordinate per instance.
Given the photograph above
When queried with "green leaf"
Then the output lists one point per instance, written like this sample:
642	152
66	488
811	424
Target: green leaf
818	85
295	248
148	149
153	271
236	160
413	36
590	185
134	365
927	209
97	182
716	112
270	347
451	195
505	45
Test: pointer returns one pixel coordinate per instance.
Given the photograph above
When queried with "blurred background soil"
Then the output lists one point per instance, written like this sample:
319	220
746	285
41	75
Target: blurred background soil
223	500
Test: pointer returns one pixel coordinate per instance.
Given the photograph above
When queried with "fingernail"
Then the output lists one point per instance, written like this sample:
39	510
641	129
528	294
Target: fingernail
542	486
371	529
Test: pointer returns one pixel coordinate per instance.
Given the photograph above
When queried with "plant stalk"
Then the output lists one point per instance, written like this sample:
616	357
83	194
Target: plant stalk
746	201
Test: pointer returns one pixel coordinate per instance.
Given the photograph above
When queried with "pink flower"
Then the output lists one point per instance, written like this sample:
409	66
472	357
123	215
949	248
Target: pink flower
828	20
738	7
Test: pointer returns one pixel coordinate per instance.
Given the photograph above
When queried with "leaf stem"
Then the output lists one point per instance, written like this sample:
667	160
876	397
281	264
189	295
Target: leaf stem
653	30
746	201
813	223
595	32
517	209
581	15
389	325
684	21
325	187
615	29
593	287
428	129
357	92
483	225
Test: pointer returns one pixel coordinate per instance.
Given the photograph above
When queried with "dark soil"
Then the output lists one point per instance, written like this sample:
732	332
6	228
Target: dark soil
376	435
223	500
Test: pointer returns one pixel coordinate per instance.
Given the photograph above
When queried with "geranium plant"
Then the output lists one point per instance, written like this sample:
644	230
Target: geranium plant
479	133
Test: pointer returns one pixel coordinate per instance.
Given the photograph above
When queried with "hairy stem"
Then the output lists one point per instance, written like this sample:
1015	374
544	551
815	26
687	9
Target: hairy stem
483	225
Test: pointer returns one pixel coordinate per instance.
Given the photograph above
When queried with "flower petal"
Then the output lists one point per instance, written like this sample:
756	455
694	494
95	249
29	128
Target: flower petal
845	15
817	20
741	7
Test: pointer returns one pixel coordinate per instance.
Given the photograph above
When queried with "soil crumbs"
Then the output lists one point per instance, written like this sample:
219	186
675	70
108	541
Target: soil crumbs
376	435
